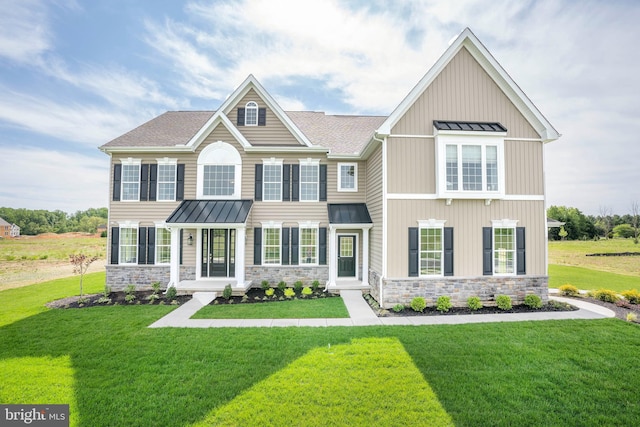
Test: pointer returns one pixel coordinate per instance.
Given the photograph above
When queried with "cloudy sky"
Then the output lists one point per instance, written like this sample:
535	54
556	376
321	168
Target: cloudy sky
76	74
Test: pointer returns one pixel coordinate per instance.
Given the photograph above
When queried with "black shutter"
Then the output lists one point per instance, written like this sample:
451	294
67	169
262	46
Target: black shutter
117	177
521	261
151	245
284	256
181	243
295	183
262	116
323	183
144	183
448	251
295	249
413	252
115	244
257	246
180	182
240	120
487	251
322	241
153	182
142	245
286	183
258	184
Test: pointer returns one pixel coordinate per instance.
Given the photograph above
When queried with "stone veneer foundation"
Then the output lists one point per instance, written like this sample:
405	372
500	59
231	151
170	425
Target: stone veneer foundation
290	274
142	276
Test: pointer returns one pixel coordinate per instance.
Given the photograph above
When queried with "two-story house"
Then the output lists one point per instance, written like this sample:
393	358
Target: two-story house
445	196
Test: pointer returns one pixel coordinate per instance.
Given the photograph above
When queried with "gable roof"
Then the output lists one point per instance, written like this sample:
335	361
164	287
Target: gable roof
4	223
480	53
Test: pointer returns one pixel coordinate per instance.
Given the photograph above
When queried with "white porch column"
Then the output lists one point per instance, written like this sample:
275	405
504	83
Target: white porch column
240	253
365	255
174	276
333	258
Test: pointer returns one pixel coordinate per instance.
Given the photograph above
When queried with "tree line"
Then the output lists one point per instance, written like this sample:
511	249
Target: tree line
579	226
32	222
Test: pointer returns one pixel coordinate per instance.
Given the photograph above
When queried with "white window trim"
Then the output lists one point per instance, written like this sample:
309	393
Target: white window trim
483	139
253	106
314	226
504	223
127	225
219	153
431	224
162	226
271	162
167	162
130	162
270	226
309	162
355	177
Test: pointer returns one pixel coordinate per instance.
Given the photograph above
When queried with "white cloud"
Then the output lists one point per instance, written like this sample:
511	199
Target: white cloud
24	30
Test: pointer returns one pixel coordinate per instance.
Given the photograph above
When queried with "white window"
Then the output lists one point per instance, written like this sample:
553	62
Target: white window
309	180
470	166
271	245
163	245
272	180
130	180
128	245
308	245
347	177
431	246
219	172
504	250
251	114
166	187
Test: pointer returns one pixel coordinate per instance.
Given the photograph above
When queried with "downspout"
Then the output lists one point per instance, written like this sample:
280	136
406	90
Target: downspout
384	215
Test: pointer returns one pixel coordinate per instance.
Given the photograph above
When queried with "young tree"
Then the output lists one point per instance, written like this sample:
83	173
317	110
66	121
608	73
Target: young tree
605	220
81	263
635	214
562	233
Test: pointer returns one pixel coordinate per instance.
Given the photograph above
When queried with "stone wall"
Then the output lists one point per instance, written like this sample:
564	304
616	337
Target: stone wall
142	276
374	284
289	274
402	291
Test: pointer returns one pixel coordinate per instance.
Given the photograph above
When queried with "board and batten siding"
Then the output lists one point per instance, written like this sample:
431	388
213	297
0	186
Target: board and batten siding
524	166
274	133
374	205
467	217
411	165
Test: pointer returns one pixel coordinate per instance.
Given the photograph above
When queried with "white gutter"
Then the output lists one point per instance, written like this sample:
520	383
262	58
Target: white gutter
384	215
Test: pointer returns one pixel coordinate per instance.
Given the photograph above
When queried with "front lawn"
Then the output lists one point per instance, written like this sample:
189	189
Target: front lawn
584	278
294	309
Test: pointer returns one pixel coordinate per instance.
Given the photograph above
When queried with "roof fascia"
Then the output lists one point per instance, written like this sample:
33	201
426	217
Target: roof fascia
263	149
468	40
215	120
170	149
252	83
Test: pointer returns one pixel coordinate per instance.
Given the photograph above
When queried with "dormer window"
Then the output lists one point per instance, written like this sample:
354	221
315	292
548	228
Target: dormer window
251	114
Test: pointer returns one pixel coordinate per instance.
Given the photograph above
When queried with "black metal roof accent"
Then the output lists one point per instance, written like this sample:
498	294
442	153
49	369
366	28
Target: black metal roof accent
211	212
348	213
469	126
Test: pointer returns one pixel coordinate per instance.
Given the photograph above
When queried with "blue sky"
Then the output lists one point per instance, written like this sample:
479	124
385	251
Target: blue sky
76	74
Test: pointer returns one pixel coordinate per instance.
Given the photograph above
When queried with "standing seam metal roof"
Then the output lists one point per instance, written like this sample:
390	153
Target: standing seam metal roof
211	212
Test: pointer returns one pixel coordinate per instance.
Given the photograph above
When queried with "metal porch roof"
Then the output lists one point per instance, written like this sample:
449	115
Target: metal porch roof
469	126
348	213
211	212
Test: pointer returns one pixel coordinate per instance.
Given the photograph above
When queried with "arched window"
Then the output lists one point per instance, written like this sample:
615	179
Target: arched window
219	172
251	114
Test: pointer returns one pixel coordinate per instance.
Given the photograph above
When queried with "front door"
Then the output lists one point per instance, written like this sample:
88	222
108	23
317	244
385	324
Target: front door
218	252
346	256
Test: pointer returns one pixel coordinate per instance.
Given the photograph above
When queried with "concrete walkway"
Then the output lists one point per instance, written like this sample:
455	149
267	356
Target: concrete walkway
361	314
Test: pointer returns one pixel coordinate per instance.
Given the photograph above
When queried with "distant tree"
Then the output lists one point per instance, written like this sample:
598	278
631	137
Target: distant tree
577	225
635	219
562	233
605	220
624	231
33	222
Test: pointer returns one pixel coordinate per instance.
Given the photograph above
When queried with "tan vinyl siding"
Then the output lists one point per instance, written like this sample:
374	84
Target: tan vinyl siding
524	167
463	91
274	133
374	205
467	217
411	165
335	196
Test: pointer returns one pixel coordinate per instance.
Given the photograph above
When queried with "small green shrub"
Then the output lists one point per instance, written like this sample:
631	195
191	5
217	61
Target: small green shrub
633	296
227	292
269	292
398	308
533	301
297	286
129	298
632	317
107	291
153	297
156	287
306	291
418	304
569	290
606	295
474	303
84	300
265	285
443	304
289	293
129	293
172	293
282	285
245	298
503	302
315	285
104	300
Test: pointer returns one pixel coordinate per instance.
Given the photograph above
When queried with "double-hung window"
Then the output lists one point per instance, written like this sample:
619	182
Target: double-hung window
309	180
271	245
347	177
431	247
251	114
128	245
130	181
308	245
163	245
272	180
166	181
504	250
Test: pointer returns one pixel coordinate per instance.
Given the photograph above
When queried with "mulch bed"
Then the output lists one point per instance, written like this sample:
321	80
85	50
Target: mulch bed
117	298
256	295
621	308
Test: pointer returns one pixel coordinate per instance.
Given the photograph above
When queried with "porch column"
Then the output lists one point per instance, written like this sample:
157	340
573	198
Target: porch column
240	253
174	276
333	258
365	255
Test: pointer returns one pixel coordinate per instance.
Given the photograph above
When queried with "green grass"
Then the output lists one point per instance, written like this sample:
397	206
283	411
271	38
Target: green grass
57	248
584	278
574	254
294	309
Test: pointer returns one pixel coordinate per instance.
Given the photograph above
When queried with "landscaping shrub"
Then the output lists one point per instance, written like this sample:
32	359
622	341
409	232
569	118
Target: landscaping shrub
265	285
306	291
269	292
282	285
172	293
606	295
443	304
533	301
227	292
289	293
503	302
315	285
297	286
633	296
474	303
569	290
398	308
418	304
632	317
129	293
